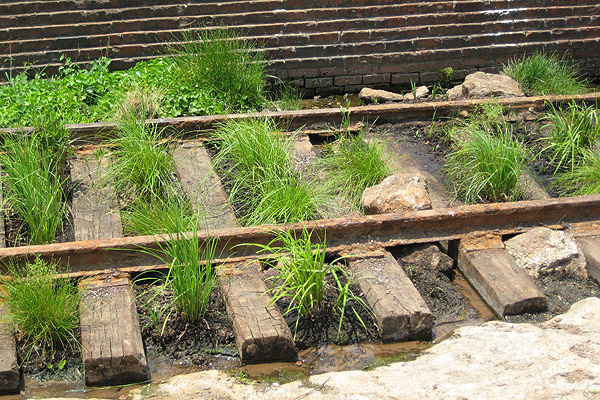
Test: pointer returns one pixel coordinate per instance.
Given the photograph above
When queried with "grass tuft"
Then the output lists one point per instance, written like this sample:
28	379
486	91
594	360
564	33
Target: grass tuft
219	62
584	178
485	167
264	179
32	180
354	164
303	273
542	74
572	131
44	310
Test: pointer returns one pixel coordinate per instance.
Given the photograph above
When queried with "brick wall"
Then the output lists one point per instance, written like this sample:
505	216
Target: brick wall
326	46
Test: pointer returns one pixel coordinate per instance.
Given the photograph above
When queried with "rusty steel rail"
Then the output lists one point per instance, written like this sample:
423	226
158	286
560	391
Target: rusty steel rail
88	133
86	257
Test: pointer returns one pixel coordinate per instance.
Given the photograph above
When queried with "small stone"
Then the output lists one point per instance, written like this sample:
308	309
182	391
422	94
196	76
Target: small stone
543	251
432	257
420	92
369	95
397	193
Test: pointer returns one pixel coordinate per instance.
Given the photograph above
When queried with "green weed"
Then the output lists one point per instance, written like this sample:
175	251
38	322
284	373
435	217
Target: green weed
486	166
44	310
584	178
353	164
217	61
302	278
572	130
263	175
192	275
542	74
32	181
141	165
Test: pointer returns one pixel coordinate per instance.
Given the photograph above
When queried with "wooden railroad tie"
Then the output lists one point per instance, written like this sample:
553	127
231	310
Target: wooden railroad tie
261	332
95	211
503	284
111	340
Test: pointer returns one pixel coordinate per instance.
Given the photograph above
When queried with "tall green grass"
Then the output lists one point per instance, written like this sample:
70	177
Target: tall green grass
584	178
353	164
303	274
573	130
192	276
486	166
263	176
44	310
141	165
217	61
32	180
542	74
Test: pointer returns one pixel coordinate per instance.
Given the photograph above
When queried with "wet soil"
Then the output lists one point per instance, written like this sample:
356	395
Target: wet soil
562	292
435	286
187	344
63	362
322	327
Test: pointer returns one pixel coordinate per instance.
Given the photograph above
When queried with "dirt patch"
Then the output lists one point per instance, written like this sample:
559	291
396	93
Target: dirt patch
61	363
562	292
173	337
435	286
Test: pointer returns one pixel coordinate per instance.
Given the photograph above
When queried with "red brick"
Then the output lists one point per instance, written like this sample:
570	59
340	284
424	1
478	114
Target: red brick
318	82
347	80
404	78
376	78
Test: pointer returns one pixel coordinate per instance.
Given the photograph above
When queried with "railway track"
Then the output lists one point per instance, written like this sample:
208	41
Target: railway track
474	236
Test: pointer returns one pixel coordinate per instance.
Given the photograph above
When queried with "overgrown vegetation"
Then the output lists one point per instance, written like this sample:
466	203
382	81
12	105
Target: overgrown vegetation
304	276
44	310
263	176
215	61
542	74
207	72
486	161
353	163
33	182
192	276
572	130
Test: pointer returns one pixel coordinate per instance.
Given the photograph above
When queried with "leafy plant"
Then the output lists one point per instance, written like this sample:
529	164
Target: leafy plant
303	273
572	130
541	74
33	185
486	166
44	310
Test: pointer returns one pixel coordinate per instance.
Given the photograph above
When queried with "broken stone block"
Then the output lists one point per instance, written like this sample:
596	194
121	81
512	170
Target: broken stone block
430	256
481	84
369	95
397	193
420	92
543	251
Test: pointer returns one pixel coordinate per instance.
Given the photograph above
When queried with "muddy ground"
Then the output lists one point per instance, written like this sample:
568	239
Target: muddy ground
173	337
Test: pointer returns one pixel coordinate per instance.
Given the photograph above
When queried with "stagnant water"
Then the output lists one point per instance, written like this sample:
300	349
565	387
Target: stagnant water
313	361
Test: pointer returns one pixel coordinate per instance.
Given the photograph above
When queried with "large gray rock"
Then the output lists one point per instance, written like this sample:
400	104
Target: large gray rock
369	95
559	359
397	193
543	251
481	84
